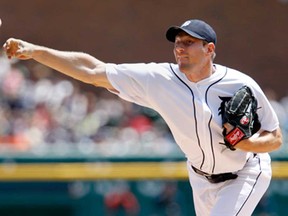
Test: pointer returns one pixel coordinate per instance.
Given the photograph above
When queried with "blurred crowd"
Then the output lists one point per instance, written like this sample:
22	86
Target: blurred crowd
42	108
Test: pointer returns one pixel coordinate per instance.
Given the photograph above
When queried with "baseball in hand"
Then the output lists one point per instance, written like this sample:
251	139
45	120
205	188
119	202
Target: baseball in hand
11	48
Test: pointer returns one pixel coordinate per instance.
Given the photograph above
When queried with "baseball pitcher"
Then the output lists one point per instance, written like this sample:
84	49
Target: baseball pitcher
219	116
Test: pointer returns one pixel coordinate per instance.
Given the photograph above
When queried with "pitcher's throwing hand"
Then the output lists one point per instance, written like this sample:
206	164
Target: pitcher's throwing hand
18	48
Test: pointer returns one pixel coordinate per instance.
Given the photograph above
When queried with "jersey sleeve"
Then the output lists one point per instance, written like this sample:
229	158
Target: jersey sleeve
133	81
267	115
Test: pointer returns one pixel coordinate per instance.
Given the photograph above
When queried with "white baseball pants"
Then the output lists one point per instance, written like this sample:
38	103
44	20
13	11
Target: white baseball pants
238	197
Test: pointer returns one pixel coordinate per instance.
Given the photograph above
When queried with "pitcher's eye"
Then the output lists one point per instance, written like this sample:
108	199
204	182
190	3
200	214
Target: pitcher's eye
185	43
188	42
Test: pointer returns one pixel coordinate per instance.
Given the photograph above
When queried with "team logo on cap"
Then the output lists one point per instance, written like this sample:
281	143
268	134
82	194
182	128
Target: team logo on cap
186	23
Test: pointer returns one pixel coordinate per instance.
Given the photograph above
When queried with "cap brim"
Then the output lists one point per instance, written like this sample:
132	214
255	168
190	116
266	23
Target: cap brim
175	30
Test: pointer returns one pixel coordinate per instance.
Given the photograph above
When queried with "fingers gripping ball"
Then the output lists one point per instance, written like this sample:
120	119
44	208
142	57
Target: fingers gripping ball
240	112
18	49
11	48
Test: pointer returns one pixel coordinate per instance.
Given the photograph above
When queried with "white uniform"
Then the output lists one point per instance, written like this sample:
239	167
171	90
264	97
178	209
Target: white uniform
191	110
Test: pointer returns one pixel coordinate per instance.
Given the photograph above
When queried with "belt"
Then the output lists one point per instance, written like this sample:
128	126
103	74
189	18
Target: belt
216	178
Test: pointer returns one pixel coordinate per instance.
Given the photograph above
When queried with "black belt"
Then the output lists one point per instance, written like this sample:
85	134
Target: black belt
216	178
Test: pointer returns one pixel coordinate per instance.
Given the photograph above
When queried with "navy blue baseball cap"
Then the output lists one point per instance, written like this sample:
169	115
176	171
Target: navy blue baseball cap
195	28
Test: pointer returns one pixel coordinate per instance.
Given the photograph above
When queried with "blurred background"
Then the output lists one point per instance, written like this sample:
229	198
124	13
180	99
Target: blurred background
67	148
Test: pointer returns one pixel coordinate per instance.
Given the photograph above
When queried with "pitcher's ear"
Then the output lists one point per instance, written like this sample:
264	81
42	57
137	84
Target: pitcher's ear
211	47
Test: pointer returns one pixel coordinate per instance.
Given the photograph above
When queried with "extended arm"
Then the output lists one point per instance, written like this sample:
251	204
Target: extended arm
78	65
265	142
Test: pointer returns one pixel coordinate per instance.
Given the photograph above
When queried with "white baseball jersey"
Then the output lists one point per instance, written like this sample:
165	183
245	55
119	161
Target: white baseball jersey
191	110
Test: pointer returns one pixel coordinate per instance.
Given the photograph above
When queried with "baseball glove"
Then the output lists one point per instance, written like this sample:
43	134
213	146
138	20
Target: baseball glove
241	112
